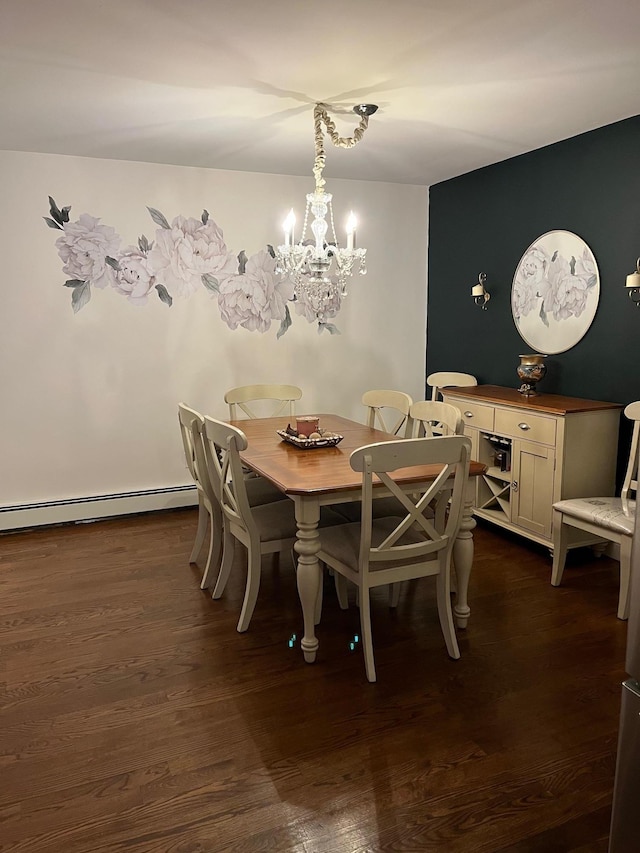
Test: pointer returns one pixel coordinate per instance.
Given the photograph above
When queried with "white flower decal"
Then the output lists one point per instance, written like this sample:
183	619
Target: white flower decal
255	297
84	247
330	308
134	276
186	251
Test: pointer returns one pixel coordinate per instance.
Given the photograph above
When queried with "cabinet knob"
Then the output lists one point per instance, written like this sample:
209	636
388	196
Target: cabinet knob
524	426
514	485
468	414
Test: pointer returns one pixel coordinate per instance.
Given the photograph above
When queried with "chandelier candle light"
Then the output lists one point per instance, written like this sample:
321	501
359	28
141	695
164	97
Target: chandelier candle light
320	269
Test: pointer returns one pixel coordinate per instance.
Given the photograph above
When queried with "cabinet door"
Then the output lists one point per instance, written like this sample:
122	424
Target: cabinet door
532	487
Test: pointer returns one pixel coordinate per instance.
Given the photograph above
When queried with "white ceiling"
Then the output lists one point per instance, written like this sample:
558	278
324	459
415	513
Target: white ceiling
231	84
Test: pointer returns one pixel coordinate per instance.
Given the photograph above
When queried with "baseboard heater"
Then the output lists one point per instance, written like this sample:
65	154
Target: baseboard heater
95	507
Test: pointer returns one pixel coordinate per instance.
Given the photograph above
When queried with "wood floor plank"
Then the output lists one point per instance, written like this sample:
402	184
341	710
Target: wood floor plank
133	716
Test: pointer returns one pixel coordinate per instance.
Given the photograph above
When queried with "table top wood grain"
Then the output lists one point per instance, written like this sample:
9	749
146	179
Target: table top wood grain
318	471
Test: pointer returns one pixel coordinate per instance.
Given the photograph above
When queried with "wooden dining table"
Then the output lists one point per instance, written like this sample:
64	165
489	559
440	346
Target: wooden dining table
317	477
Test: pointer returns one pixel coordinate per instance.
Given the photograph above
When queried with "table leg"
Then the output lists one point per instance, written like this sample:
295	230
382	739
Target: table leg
309	575
463	559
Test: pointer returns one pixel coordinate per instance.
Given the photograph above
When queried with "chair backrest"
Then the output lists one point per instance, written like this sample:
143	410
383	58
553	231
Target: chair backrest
438	381
630	483
388	411
432	417
222	445
451	454
186	418
284	397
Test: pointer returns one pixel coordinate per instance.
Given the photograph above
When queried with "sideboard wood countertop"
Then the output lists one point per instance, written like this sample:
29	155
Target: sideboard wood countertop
554	403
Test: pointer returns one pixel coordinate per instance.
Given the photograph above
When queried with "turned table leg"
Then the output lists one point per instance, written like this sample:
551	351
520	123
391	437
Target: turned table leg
463	559
309	574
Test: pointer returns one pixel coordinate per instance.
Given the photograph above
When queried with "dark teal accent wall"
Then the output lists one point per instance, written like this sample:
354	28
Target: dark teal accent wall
485	220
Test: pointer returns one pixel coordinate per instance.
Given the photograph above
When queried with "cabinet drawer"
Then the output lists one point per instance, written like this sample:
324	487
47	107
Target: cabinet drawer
474	414
522	424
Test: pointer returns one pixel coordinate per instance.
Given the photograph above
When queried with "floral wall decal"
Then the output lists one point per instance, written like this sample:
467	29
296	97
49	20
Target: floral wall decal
555	292
184	257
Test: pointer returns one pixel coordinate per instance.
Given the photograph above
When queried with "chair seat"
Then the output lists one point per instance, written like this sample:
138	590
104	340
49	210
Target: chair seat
613	514
343	542
261	491
277	520
381	508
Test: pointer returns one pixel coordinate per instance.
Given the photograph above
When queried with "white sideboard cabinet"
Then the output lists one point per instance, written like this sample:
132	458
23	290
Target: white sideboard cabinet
537	450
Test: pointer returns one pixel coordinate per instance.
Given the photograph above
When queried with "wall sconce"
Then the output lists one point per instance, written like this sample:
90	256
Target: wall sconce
481	296
633	285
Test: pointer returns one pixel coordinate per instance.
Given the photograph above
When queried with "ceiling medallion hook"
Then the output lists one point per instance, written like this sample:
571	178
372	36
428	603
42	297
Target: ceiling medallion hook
365	109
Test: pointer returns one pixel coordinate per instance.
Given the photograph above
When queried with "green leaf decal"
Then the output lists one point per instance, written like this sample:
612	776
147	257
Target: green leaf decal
164	295
56	213
112	263
592	280
271	251
205	216
144	245
80	296
65	213
242	262
158	218
285	323
51	223
333	330
74	282
210	282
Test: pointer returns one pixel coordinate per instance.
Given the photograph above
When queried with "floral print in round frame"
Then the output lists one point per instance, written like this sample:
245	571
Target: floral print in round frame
555	292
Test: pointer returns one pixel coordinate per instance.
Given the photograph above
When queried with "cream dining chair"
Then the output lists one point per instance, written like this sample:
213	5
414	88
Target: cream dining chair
283	398
438	381
259	491
432	417
209	512
266	529
606	518
388	411
407	545
424	418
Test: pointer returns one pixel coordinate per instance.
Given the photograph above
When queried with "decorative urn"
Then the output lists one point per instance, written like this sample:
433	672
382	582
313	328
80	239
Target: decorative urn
530	371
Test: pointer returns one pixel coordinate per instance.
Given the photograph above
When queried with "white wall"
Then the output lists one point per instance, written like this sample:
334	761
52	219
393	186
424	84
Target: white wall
89	400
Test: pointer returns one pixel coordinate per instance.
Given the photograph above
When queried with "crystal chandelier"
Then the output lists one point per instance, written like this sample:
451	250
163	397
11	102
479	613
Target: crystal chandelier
319	267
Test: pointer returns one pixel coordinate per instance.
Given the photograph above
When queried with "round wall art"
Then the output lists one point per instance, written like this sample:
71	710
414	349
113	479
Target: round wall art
555	292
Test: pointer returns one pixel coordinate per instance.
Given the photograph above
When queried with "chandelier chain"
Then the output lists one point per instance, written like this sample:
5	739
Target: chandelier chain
320	117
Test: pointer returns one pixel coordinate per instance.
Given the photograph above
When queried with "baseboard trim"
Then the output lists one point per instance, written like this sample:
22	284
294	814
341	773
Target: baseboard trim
95	507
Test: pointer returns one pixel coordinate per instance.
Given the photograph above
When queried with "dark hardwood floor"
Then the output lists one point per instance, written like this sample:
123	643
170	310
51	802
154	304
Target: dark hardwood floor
134	718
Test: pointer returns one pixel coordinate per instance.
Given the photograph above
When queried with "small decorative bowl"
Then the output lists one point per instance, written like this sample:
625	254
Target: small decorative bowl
305	443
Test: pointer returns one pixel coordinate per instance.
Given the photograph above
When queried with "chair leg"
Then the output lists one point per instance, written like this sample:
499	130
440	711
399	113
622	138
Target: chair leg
341	590
367	638
203	520
254	559
445	613
394	594
318	611
625	577
560	542
228	549
215	555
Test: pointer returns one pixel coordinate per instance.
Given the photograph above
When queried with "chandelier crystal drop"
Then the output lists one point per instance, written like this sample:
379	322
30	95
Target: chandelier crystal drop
319	267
